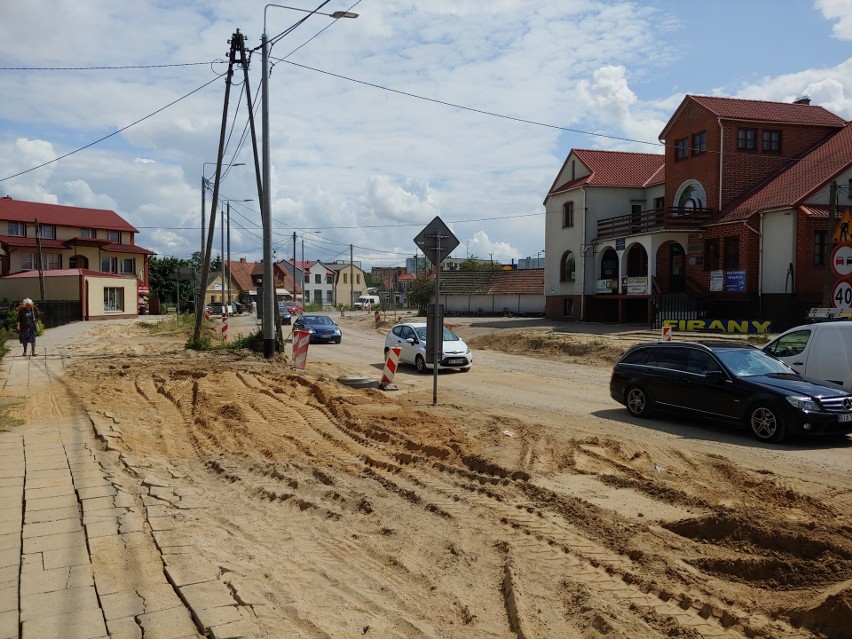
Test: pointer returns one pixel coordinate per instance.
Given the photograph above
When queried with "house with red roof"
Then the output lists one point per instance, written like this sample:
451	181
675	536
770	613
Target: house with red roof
87	258
732	222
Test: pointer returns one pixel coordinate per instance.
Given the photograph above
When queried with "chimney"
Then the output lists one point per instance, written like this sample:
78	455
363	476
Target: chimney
242	260
802	100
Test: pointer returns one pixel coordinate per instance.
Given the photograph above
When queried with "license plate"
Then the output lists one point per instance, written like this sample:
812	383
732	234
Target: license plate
845	418
455	362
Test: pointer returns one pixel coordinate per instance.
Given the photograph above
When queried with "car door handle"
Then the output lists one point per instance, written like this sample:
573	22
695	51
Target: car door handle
798	363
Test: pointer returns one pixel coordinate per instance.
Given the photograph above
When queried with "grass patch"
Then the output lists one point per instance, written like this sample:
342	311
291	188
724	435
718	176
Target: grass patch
7	421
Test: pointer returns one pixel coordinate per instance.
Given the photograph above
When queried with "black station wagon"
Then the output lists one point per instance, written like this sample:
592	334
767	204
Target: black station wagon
728	381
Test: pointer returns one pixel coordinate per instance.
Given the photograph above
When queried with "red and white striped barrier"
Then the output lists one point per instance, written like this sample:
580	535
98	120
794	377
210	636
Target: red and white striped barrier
666	335
391	363
225	328
301	340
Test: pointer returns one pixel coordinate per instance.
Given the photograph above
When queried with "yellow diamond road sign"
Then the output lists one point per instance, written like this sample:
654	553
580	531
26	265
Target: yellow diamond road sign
843	232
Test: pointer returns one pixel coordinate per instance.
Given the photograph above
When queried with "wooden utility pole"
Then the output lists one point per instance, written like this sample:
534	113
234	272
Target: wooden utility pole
828	277
40	258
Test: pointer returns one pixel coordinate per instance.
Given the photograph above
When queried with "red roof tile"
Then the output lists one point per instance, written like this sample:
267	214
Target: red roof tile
522	281
617	168
791	186
821	210
20	211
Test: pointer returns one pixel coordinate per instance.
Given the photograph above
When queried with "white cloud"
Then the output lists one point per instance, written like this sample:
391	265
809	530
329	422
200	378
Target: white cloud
841	11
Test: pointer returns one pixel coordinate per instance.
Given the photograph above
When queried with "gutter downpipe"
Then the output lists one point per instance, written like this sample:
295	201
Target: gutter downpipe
583	248
721	162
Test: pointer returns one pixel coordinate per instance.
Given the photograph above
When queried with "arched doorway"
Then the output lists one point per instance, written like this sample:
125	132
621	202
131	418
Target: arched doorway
609	265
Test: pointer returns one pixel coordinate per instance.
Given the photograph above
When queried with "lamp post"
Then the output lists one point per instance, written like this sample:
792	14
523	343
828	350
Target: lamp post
269	309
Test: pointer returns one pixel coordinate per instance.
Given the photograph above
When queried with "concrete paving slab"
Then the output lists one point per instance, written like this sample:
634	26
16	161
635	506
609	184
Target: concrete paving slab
85	624
57	490
9	526
9	625
10	557
50	479
51	503
93	492
234	630
58	602
107	528
210	594
51	528
43	581
11	493
13	481
9	573
78	556
10	540
210	617
126	628
98	503
126	603
9	597
53	514
12	512
184	570
54	542
168	624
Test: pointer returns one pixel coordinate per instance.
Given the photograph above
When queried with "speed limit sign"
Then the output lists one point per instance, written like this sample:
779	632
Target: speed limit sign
841	296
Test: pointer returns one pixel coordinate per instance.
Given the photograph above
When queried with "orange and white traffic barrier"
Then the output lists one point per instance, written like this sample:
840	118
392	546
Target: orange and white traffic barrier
225	327
301	340
666	335
391	363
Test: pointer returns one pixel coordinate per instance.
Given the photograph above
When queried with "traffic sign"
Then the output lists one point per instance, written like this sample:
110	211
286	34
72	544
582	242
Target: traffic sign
841	260
841	296
436	241
843	232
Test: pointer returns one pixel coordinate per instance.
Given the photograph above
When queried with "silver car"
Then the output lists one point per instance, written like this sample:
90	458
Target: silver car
411	339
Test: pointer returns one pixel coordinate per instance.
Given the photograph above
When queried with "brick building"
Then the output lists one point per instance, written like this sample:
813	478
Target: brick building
735	222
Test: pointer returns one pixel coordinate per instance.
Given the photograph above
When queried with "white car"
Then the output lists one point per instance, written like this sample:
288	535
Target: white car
411	338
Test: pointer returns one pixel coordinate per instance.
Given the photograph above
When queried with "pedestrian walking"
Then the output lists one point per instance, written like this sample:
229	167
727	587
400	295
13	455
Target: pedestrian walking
28	325
254	308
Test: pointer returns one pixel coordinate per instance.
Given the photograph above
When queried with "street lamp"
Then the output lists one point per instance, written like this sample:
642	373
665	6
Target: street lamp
266	205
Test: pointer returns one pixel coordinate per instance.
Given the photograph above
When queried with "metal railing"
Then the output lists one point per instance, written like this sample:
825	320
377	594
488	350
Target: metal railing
655	220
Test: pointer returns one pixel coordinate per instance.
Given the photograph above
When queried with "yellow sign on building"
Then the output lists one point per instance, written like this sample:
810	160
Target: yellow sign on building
843	232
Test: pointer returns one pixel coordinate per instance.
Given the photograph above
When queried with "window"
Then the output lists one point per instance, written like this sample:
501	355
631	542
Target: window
128	266
113	299
567	214
78	261
114	236
732	252
88	233
711	255
346	278
746	139
329	279
328	297
681	148
659	203
109	265
46	231
52	261
701	362
18	229
772	141
317	278
307	295
357	278
307	278
699	143
819	247
567	272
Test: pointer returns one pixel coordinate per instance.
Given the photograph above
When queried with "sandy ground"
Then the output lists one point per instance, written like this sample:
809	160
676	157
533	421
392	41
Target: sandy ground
525	504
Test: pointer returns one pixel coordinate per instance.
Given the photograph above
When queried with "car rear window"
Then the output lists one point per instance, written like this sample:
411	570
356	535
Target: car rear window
673	358
637	356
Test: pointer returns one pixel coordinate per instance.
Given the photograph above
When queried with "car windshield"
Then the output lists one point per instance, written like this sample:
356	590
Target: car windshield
745	363
449	336
316	319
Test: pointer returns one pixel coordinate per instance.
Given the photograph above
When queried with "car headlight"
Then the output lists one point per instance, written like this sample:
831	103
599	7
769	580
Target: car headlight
337	331
802	403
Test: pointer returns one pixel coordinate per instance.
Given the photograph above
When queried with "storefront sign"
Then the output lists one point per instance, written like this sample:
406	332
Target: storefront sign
722	325
637	285
735	281
717	280
619	244
603	286
696	248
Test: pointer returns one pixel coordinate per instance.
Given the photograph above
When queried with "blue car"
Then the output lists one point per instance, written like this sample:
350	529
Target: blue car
321	327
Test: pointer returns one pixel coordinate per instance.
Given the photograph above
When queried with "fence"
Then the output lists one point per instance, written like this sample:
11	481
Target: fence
60	312
784	311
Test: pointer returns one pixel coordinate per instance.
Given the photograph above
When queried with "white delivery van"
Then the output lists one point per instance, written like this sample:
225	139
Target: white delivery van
366	301
820	351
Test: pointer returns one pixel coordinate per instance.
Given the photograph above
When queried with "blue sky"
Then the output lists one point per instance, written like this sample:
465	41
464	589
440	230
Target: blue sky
354	163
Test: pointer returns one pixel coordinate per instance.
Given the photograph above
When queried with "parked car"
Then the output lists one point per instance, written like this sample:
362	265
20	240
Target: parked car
284	312
321	327
239	307
411	338
728	381
818	351
295	308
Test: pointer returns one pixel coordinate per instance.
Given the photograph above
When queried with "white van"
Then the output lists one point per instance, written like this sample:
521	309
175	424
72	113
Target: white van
366	301
820	351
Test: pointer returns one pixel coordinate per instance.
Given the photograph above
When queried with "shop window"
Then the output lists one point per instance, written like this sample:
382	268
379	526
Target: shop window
732	253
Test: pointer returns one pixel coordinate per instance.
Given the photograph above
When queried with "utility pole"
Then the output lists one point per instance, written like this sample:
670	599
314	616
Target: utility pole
229	256
222	261
351	279
303	270
828	282
40	258
295	284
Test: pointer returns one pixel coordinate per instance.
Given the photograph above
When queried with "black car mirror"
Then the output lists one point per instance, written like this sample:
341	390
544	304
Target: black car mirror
715	375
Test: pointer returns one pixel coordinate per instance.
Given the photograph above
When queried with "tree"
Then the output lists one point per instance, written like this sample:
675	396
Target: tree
422	290
163	280
473	263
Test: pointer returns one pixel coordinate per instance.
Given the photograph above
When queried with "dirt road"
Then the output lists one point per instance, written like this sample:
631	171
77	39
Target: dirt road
525	504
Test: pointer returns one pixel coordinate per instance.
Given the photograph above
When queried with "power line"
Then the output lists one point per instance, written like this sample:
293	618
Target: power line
115	68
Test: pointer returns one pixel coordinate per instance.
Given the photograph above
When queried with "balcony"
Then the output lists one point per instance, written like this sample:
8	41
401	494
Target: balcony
668	219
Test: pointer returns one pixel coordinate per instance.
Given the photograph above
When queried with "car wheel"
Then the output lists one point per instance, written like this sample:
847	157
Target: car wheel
766	424
387	350
420	364
637	401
